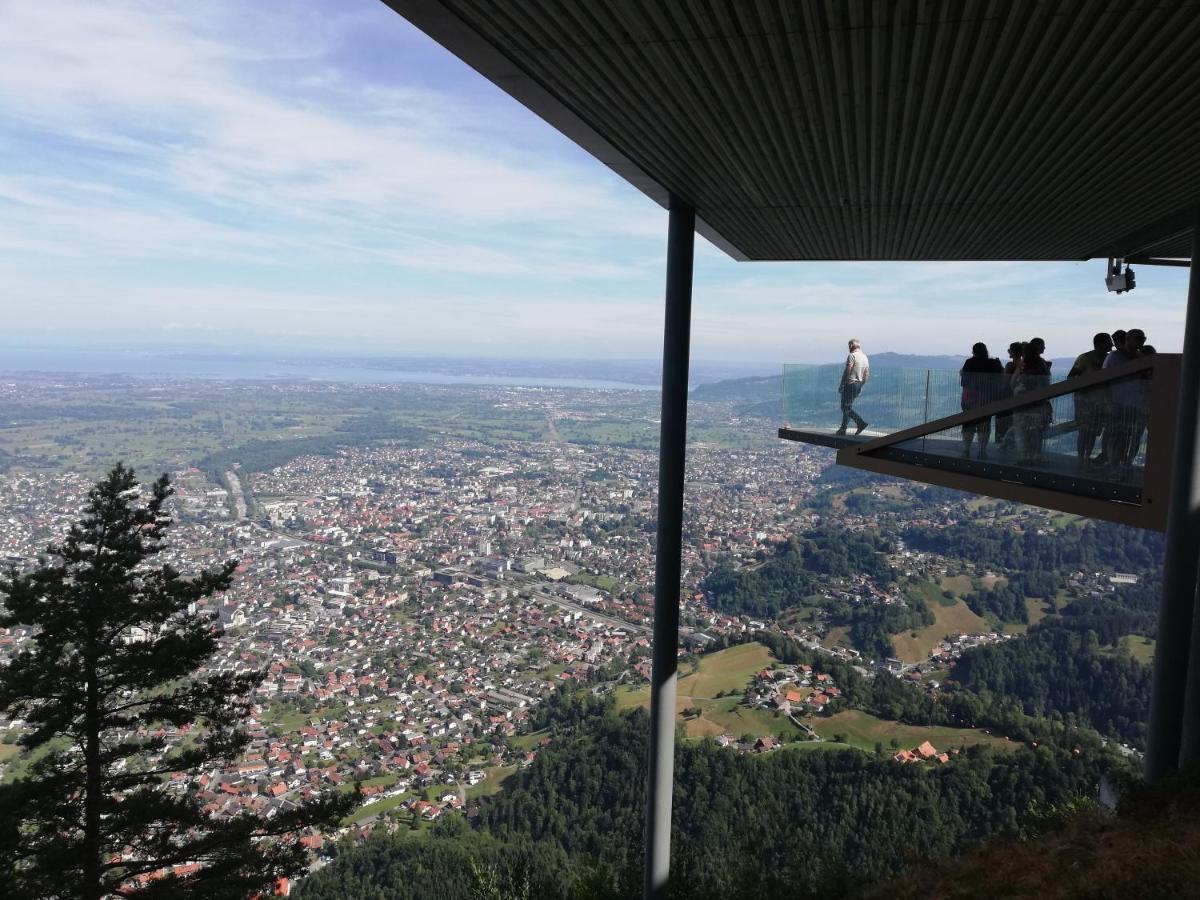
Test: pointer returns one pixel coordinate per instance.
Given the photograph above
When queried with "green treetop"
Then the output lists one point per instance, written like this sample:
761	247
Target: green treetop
110	667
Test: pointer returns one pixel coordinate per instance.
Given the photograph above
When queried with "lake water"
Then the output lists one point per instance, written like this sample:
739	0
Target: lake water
124	362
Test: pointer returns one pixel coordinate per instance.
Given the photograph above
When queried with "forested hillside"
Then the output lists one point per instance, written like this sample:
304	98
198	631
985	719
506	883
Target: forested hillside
796	575
1057	671
452	862
1054	685
1093	546
827	820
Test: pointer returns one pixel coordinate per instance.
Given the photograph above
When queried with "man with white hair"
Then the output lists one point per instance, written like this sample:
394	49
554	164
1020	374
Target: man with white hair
854	377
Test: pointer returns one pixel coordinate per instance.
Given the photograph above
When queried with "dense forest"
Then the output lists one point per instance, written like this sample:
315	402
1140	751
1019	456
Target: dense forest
1057	670
452	862
1131	609
1090	547
814	823
1005	602
794	576
796	570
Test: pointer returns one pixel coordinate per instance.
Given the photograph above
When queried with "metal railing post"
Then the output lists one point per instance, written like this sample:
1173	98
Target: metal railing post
1175	617
669	546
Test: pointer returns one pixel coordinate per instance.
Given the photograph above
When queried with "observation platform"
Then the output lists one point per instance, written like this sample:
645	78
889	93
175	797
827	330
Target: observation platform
828	437
1095	445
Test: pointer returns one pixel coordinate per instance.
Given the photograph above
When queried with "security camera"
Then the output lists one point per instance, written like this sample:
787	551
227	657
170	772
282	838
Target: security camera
1120	277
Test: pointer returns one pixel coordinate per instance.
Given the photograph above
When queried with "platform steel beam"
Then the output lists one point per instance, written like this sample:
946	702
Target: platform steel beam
669	547
1176	615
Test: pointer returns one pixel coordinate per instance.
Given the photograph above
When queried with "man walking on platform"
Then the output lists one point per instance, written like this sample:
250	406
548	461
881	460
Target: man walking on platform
854	377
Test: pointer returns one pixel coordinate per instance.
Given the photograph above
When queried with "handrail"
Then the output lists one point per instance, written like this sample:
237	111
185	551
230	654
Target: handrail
1169	362
1146	507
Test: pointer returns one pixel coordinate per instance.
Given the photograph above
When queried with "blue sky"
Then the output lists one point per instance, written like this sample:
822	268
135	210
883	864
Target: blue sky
317	175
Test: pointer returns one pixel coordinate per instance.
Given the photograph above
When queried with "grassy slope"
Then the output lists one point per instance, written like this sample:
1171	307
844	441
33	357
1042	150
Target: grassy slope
956	619
731	669
723	671
1140	648
495	779
863	730
959	584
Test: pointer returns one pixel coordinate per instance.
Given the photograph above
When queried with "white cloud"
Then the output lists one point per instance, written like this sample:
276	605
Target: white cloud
176	92
304	201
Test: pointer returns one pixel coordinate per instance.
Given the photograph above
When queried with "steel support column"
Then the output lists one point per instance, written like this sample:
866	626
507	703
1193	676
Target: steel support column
1176	608
669	546
1189	742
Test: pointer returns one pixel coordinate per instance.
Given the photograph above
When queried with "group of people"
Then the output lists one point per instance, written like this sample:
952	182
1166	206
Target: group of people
1114	414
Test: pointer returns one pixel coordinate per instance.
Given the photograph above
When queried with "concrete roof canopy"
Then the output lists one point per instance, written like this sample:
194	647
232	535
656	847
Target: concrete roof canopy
859	129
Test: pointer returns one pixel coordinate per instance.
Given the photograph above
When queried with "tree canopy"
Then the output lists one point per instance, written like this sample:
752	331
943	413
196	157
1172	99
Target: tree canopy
113	647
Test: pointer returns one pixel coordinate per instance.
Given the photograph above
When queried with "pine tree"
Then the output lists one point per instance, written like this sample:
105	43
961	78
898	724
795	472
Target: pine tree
109	664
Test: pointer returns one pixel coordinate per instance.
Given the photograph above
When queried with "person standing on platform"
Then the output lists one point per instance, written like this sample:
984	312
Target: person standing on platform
1090	404
1031	422
854	378
1004	433
980	378
1125	398
1118	339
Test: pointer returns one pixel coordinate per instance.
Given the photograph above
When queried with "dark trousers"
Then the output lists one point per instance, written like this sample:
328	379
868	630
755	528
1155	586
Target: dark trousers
982	430
850	391
1003	426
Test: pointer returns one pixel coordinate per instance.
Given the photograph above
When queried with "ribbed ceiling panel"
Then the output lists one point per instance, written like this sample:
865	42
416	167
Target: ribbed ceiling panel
868	129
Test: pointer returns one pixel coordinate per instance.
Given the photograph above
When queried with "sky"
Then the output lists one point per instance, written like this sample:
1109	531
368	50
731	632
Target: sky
317	175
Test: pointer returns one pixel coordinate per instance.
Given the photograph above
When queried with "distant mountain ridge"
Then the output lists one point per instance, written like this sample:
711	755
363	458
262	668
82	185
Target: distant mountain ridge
769	388
758	389
754	388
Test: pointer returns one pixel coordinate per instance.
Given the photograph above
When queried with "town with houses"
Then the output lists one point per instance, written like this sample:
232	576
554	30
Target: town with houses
411	607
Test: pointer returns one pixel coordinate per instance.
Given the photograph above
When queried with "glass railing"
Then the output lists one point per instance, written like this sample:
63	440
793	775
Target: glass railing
1091	441
891	400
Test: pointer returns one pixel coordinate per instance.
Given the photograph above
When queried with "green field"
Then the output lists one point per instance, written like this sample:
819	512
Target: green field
956	619
22	761
217	424
493	782
601	582
728	716
837	637
375	808
725	670
929	592
958	584
1036	610
288	719
817	745
720	672
863	731
631	698
1139	647
529	741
